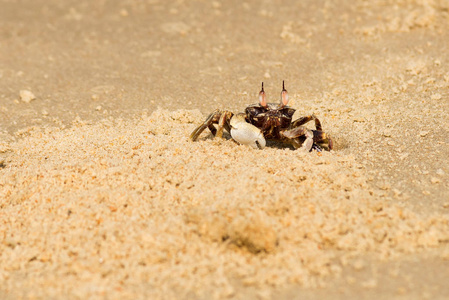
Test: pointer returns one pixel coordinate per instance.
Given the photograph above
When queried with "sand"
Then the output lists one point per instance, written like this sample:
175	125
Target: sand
103	195
134	208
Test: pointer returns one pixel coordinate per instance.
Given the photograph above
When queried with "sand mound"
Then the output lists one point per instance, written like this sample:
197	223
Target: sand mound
125	208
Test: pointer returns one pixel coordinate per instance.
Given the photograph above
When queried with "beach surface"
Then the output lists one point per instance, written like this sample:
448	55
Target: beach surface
104	196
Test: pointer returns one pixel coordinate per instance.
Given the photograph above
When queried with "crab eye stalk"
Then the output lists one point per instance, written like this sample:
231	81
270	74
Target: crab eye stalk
262	97
284	95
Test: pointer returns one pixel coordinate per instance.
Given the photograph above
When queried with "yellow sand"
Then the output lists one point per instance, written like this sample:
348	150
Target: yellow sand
124	209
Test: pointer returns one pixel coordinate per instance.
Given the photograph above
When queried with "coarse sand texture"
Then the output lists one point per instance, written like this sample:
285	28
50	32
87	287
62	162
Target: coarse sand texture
129	208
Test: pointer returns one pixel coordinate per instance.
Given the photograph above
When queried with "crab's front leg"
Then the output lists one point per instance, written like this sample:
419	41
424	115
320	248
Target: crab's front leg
219	117
318	136
293	134
313	138
245	133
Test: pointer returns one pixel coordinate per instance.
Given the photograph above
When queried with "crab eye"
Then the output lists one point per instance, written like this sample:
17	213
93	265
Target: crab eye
284	96
262	97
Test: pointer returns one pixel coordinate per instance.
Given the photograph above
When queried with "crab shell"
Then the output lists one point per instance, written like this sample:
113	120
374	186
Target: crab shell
271	119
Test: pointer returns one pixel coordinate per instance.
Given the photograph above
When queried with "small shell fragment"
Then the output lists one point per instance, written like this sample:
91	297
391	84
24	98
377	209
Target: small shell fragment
26	96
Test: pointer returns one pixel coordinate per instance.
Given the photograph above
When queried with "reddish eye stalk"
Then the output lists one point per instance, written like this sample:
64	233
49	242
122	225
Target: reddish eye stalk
284	95
262	97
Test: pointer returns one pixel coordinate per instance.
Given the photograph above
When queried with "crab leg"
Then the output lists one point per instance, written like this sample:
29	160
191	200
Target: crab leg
294	133
217	117
321	136
306	119
208	123
223	123
312	136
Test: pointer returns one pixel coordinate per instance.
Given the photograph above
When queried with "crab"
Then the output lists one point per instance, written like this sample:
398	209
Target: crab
267	121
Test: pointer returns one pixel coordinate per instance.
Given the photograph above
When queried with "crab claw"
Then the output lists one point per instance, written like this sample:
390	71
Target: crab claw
245	133
294	133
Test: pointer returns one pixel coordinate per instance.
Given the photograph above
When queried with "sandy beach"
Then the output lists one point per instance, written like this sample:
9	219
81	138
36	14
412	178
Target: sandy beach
104	196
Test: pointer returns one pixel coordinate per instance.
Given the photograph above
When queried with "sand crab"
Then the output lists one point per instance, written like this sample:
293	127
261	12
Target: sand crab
267	121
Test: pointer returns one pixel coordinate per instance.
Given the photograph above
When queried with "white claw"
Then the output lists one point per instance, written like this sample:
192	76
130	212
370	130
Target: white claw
245	133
